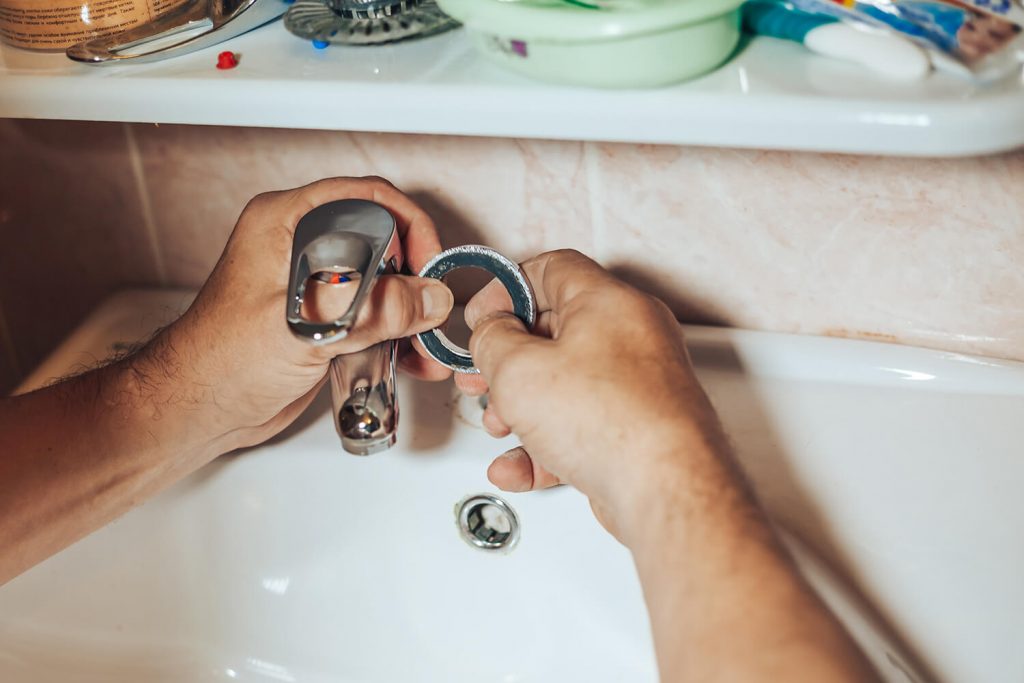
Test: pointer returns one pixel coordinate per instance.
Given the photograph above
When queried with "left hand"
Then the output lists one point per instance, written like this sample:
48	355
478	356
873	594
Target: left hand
231	362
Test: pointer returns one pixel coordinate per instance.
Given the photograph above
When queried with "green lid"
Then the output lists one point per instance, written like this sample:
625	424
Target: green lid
573	20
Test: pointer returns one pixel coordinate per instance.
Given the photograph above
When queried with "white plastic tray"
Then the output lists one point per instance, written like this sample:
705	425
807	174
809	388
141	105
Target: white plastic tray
774	95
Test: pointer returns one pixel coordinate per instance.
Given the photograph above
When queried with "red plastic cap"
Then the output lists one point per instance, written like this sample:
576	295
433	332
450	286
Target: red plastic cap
227	60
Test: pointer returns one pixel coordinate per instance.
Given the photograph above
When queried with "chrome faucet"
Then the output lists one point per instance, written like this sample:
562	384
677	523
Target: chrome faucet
338	252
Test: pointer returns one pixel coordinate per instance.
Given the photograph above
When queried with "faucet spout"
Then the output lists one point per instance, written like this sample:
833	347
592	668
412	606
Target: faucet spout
364	399
339	251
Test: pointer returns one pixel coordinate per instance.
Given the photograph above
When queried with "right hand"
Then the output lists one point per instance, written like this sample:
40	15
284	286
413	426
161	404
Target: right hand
609	403
602	394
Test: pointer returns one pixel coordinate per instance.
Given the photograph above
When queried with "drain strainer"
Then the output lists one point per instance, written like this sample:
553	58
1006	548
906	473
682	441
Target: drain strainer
487	522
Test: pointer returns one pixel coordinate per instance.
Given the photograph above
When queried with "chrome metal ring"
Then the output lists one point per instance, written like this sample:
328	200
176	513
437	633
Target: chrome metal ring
508	273
487	522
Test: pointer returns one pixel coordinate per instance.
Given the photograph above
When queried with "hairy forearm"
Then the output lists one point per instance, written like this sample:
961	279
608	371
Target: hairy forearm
724	599
75	455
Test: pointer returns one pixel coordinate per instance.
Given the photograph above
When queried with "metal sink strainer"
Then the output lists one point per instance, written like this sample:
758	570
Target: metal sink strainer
365	22
487	522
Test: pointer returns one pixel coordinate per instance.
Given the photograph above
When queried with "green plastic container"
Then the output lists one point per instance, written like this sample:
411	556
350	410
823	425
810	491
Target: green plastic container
624	44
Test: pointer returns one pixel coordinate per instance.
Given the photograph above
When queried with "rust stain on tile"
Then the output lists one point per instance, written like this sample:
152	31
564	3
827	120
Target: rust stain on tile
861	334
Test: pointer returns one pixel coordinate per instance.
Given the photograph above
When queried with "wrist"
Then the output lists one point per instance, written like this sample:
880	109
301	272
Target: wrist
683	477
153	390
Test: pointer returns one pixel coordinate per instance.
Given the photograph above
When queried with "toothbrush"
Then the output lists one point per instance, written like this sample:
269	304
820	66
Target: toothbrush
884	53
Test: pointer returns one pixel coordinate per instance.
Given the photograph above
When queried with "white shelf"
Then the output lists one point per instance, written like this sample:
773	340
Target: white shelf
774	95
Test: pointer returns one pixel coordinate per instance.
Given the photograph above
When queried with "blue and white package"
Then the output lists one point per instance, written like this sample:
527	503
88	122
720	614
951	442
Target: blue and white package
960	37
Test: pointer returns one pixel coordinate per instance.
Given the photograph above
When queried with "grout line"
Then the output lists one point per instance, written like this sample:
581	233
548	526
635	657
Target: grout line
7	341
595	195
135	157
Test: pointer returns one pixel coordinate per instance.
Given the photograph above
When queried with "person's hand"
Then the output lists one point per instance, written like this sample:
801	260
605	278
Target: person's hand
232	362
602	394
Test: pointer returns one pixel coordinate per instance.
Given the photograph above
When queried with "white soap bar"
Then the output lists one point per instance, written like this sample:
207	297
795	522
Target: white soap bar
883	53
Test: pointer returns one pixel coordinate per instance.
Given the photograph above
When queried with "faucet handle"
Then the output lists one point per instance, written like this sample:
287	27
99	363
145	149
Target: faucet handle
342	247
345	241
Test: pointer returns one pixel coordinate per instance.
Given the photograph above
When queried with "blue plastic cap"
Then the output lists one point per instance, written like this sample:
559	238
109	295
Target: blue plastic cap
779	20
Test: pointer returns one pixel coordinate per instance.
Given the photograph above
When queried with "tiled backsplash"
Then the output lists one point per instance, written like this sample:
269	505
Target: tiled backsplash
927	252
71	231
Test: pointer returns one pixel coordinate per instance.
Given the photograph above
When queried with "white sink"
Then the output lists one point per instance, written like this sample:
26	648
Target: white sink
901	468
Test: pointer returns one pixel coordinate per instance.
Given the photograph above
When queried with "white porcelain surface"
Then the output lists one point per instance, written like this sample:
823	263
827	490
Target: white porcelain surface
774	95
898	466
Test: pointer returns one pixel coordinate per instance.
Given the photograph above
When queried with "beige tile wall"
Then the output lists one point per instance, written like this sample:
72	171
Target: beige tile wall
922	252
71	232
925	252
519	196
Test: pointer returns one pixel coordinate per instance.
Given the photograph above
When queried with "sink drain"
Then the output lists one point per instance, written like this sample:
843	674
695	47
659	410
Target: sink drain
487	522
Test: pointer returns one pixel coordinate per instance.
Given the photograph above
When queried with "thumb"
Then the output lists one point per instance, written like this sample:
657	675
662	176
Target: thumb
495	339
398	306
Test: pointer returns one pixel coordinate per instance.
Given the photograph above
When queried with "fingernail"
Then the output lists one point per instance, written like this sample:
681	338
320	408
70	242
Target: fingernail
437	301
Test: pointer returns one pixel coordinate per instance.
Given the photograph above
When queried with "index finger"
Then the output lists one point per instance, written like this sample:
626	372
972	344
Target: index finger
415	228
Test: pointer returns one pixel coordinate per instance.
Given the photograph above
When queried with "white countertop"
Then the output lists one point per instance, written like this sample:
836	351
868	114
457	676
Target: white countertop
774	95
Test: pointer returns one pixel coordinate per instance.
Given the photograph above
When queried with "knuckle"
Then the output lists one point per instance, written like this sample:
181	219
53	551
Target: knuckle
377	180
261	201
663	309
629	297
481	342
565	258
651	306
399	307
386	314
567	253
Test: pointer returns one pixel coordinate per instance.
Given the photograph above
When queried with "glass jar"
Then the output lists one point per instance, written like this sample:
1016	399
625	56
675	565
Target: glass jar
54	25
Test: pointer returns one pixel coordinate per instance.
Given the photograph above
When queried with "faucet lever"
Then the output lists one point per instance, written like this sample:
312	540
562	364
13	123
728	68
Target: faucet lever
338	252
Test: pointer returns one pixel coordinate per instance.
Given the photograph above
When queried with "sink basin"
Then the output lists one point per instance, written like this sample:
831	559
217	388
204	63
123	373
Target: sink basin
895	475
